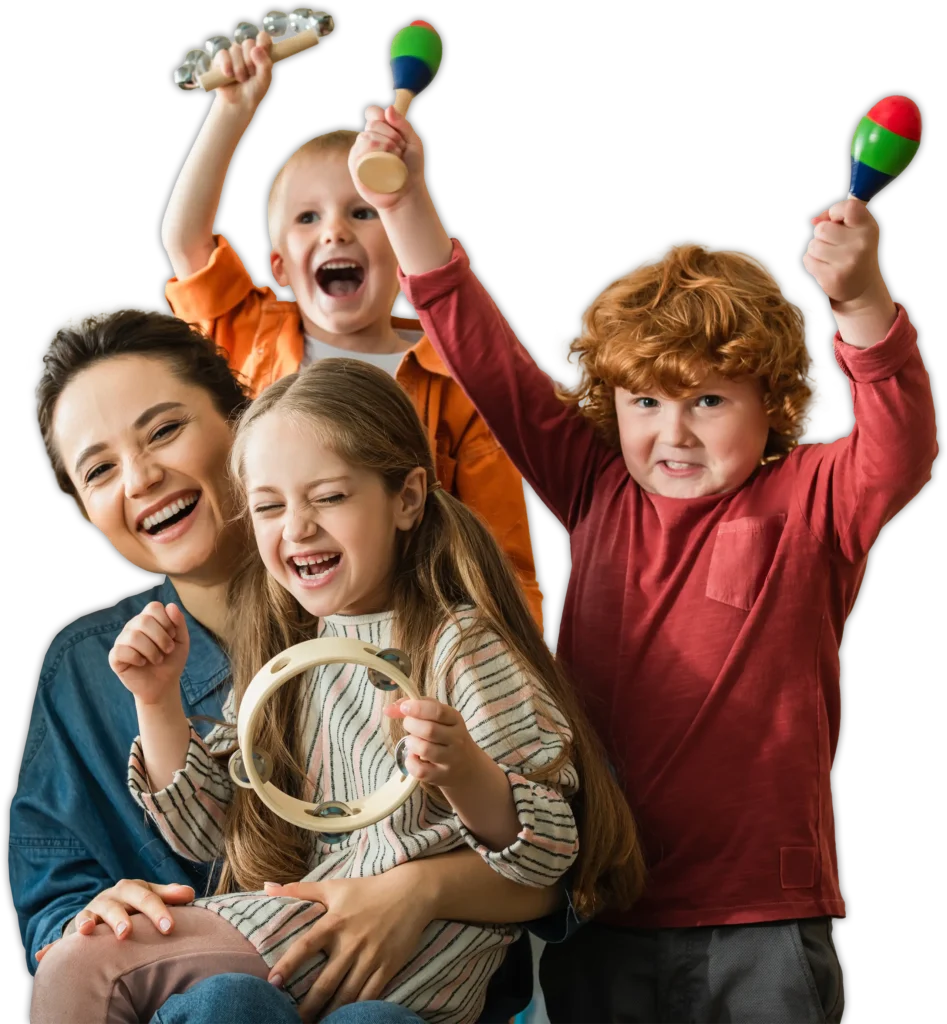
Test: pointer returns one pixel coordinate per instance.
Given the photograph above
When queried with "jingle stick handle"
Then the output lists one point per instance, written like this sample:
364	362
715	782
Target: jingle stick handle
215	78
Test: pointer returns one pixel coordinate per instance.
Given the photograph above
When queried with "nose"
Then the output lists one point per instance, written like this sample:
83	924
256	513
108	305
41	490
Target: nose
141	474
335	229
300	524
674	430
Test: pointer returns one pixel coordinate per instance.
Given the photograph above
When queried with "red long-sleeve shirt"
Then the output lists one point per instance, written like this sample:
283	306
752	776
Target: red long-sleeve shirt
704	632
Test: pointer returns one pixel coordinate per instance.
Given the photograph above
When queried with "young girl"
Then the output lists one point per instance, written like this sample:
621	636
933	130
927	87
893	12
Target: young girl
356	538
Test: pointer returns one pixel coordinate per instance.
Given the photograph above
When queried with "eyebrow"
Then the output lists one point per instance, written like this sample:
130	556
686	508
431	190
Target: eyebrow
148	415
306	487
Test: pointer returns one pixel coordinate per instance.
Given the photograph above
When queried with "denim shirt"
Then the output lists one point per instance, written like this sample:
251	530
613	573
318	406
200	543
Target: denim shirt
74	828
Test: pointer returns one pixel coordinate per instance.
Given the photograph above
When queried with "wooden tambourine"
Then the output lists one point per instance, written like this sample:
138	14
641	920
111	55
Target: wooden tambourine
251	768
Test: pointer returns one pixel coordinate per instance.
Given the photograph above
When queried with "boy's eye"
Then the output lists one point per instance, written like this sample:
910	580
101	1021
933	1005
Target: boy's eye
644	402
365	213
709	401
309	217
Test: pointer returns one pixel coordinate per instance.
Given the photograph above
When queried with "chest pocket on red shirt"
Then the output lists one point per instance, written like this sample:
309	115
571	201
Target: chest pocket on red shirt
743	553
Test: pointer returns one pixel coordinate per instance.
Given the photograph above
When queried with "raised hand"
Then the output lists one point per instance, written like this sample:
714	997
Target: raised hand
387	131
250	64
150	653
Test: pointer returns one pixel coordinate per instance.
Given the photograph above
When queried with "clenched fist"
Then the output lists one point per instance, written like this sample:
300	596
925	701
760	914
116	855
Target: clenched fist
150	652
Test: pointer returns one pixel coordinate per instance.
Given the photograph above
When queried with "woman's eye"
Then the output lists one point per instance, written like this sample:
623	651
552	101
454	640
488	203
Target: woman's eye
97	471
309	217
165	430
365	213
709	401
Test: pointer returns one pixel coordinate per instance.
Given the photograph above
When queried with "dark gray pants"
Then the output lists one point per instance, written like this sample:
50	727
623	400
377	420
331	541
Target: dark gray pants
784	972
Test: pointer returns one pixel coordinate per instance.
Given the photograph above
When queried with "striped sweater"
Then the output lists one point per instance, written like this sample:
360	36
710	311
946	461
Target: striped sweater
507	714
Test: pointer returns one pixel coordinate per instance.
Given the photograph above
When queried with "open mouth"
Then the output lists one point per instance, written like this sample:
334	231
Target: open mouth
340	279
315	567
170	515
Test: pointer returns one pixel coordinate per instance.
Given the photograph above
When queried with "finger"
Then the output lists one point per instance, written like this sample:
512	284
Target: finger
371	140
176	616
158	632
821	252
433	732
312	892
820	217
156	610
225	62
112	913
239	65
86	920
831	233
142	897
40	953
374	113
306	947
122	657
350	989
324	987
401	123
431	710
435	753
425	771
848	211
139	641
376	984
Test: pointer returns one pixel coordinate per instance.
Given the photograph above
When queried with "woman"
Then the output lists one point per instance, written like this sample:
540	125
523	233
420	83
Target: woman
136	413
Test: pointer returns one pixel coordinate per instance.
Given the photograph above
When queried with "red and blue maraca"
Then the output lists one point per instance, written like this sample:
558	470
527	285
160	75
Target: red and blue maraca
884	144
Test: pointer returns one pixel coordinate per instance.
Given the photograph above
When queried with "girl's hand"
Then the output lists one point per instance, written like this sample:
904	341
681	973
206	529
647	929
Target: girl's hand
843	254
440	749
388	132
370	930
150	652
112	905
250	63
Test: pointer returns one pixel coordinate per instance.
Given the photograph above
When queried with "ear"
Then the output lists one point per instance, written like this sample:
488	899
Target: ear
279	270
409	505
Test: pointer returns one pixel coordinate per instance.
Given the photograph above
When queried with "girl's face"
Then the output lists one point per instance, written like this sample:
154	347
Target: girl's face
147	454
326	530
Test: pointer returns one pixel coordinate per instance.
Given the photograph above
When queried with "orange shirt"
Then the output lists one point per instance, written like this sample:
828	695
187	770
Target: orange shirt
263	339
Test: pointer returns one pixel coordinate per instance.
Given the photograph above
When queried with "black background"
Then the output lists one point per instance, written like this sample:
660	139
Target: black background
560	147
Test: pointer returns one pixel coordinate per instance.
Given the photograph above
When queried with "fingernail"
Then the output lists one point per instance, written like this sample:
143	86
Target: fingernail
165	924
122	928
277	980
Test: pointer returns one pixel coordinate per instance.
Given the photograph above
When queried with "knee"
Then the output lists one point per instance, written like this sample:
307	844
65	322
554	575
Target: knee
373	1012
236	998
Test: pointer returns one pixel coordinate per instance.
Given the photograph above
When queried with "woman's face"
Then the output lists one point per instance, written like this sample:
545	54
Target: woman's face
147	453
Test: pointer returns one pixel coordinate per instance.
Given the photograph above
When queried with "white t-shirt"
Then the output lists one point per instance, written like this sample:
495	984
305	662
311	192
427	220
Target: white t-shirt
314	350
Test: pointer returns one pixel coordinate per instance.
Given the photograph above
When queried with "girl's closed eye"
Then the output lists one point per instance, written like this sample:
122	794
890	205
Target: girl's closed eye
268	506
329	499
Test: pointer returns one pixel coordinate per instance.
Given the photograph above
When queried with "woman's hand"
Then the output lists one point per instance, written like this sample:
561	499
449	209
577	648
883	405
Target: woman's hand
150	652
370	930
112	907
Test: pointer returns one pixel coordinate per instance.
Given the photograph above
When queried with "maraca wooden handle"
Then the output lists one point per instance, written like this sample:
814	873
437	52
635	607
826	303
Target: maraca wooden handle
215	78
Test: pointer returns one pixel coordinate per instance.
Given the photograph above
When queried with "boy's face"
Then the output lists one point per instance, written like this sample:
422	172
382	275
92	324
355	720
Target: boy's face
333	251
709	442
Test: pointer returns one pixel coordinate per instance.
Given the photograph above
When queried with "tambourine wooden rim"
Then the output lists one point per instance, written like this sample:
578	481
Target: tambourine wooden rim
328	816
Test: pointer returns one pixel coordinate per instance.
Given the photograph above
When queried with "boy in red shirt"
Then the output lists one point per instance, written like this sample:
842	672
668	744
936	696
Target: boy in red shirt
714	562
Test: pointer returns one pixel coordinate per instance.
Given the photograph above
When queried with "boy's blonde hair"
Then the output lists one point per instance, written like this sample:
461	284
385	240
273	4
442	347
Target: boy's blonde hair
339	141
448	558
668	325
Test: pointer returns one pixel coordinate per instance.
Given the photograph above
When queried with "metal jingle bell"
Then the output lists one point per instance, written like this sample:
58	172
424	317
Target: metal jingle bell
275	23
302	18
397	658
185	77
215	44
324	23
330	809
238	772
401	755
244	31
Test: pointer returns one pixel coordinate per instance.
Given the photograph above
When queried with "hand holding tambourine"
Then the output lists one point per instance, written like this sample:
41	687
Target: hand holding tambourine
150	653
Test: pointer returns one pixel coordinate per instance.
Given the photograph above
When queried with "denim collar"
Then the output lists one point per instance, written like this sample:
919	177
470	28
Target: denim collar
207	664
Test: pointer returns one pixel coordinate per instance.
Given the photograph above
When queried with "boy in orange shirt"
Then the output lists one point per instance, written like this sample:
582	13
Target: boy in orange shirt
330	248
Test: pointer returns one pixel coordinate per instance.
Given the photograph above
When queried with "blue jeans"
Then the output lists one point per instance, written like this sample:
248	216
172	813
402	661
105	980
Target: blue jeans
245	999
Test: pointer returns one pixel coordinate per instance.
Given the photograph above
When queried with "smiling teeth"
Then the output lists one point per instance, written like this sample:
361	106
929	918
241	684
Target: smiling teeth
301	560
339	265
169	510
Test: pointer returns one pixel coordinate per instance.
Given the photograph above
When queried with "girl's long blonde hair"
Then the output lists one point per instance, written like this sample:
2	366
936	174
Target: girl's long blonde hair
448	558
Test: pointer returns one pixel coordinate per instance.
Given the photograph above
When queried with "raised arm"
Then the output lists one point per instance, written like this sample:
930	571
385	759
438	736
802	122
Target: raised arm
556	450
188	228
850	489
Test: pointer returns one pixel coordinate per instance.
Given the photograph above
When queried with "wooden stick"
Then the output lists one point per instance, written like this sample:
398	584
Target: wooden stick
385	172
215	78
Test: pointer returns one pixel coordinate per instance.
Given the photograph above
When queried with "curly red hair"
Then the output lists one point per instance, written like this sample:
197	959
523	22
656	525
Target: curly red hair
668	325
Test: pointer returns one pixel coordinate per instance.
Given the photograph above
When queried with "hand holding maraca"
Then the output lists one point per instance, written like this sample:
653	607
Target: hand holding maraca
388	132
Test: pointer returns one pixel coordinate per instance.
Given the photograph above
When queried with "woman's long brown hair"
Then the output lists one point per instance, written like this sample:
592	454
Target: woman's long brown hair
448	558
